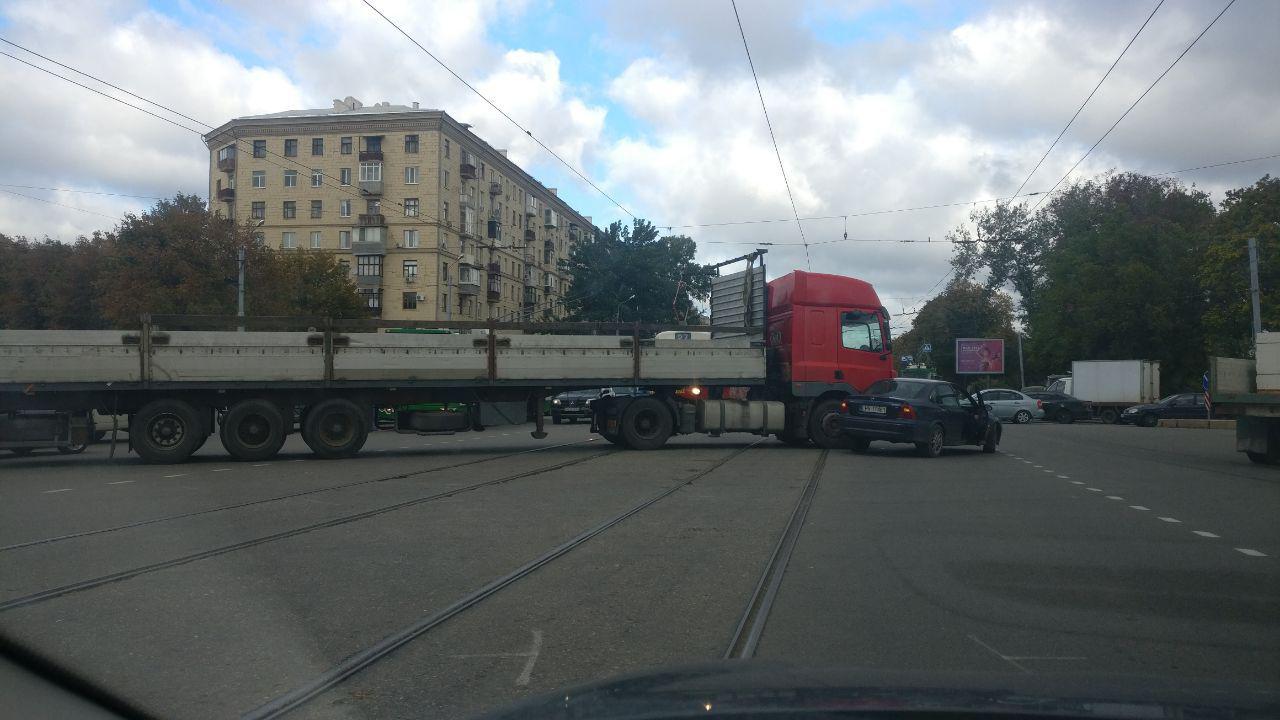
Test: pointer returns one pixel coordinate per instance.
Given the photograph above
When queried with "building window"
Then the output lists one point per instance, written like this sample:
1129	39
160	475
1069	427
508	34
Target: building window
446	147
345	264
317	209
291	178
369	265
344	239
373	143
315	239
317	146
259	148
344	176
227	153
317	178
259	178
411	175
373	298
411	207
411	269
260	238
481	171
411	143
289	240
290	209
373	207
259	211
344	208
291	148
370	172
410	301
444	214
346	146
444	178
411	238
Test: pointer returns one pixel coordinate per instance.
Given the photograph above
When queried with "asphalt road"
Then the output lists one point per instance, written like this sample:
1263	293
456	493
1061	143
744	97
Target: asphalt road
209	589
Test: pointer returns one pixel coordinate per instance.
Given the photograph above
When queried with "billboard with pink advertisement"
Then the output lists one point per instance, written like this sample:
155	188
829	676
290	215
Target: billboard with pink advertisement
979	356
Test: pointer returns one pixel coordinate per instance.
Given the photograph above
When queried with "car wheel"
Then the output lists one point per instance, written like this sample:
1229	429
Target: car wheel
1148	420
1065	417
860	445
822	426
932	448
1022	417
72	449
992	439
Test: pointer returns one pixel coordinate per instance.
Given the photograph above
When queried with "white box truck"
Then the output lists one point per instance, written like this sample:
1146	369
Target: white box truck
1107	387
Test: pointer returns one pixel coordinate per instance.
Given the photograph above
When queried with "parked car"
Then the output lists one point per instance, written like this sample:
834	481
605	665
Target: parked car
1013	405
572	405
931	414
1183	405
1061	408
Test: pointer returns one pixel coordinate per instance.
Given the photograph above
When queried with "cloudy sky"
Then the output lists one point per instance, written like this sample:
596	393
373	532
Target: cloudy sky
876	105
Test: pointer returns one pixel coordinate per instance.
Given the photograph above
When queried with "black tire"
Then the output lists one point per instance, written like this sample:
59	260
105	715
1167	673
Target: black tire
1148	420
933	447
1262	458
822	429
22	452
253	430
72	449
992	439
1022	417
646	424
335	428
792	440
860	445
99	435
1109	416
1065	417
555	419
166	431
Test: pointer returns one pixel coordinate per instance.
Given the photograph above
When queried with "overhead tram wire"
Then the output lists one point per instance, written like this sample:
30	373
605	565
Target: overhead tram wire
1092	92
799	225
52	202
502	112
83	192
1135	103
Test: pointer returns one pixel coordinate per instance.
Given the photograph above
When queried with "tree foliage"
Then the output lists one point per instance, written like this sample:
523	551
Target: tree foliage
1251	212
622	261
177	258
964	309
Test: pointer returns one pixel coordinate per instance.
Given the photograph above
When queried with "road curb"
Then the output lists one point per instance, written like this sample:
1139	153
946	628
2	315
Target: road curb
1200	424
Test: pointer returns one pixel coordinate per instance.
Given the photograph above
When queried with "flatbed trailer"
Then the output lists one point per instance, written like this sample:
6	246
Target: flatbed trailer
811	341
1248	391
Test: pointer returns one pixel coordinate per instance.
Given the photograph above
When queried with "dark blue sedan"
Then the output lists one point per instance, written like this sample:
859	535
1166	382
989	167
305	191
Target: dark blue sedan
931	414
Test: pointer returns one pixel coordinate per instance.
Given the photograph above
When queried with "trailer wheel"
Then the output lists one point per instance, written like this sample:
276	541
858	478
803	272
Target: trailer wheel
822	426
646	424
253	430
1108	416
166	431
335	428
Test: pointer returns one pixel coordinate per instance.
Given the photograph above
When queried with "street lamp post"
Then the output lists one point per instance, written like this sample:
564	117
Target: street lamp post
617	317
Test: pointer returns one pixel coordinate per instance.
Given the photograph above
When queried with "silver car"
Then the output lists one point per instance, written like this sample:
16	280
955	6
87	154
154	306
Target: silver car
1013	405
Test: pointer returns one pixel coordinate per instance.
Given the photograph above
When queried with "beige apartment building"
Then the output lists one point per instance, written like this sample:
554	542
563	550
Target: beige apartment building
434	223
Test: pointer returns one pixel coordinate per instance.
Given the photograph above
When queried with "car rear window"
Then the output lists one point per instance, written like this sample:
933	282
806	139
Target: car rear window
899	389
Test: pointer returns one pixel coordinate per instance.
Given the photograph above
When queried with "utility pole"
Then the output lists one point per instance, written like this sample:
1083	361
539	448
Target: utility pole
240	288
1253	289
1022	367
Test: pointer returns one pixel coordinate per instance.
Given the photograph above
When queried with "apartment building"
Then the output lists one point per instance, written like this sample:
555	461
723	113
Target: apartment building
433	222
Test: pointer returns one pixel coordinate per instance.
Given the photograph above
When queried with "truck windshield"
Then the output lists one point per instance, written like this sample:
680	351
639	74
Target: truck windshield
861	331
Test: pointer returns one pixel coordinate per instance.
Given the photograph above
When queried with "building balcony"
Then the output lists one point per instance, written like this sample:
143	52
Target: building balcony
227	164
370	156
495	229
466	201
371	220
226	194
530	279
493	295
467	166
550	218
371	187
368	281
368	247
530	257
531	206
468	260
530	236
530	296
549	245
469	283
495	188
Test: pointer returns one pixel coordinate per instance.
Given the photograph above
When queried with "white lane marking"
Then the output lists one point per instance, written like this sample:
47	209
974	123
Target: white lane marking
1140	507
46	492
1076	482
260	465
506	434
523	677
404	447
1048	471
1114	497
1093	489
299	460
1205	533
1169	519
119	482
1000	655
1027	462
1037	466
177	475
463	440
1064	477
1251	552
1045	657
220	470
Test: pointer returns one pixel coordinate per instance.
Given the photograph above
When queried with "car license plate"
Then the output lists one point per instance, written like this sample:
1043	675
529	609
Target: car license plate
873	409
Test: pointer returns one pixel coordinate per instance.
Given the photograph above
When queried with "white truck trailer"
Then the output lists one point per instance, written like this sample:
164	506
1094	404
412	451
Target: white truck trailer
1109	386
1248	390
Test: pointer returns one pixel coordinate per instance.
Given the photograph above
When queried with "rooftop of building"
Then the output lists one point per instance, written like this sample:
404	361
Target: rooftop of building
345	106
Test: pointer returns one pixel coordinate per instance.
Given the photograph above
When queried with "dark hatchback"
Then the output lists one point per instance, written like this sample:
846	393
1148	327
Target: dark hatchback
1185	405
1059	407
930	414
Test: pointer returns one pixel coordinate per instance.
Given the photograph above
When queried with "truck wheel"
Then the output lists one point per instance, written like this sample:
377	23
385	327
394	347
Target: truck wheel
933	447
646	424
335	428
1262	458
253	430
1022	417
166	431
822	428
1108	416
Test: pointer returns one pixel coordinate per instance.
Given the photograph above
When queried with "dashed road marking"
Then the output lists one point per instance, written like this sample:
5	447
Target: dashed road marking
1093	489
299	460
404	447
1140	507
1169	519
1064	477
1048	471
221	470
177	475
1205	533
1037	466
1076	482
1251	552
260	465
46	492
119	482
1114	497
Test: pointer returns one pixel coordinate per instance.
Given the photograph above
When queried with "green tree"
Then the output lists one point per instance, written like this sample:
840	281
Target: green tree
622	261
1250	212
964	309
